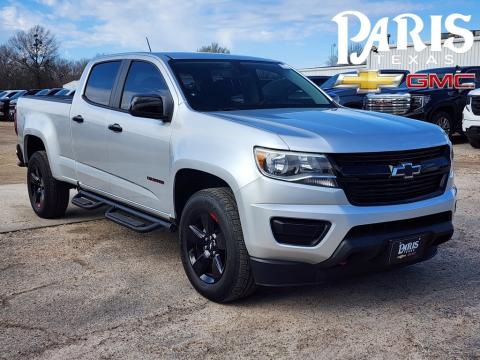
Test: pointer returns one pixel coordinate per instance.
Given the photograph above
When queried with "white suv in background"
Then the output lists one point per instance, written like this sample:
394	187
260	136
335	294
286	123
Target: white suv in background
471	118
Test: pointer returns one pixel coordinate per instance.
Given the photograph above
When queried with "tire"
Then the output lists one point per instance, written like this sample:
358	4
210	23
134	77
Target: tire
218	267
445	121
474	142
48	197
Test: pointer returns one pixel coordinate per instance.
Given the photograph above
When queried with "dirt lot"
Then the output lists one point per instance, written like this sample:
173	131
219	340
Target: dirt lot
10	173
96	290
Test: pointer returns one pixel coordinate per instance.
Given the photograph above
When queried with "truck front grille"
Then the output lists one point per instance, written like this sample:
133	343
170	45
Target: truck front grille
476	105
397	104
367	178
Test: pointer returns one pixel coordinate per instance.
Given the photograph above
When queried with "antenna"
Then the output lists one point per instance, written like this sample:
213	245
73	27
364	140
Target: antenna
148	43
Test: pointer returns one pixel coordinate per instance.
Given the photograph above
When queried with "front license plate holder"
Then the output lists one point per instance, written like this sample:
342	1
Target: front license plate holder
406	249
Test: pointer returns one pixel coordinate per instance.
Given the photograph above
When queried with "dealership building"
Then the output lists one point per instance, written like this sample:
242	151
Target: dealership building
408	59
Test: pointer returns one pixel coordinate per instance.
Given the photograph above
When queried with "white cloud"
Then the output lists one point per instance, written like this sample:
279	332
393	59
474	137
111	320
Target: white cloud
186	25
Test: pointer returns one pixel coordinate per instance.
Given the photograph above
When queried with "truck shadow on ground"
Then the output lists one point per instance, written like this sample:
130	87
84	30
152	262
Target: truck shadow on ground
450	274
440	280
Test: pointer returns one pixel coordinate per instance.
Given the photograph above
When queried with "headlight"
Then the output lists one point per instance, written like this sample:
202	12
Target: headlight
304	168
419	101
468	106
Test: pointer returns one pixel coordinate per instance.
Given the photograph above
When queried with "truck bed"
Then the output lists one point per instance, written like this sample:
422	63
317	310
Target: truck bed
62	99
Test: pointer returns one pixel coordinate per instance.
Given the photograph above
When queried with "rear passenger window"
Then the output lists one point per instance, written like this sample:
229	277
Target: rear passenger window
143	78
100	82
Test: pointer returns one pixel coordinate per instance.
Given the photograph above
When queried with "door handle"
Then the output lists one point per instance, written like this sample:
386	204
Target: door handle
78	119
115	127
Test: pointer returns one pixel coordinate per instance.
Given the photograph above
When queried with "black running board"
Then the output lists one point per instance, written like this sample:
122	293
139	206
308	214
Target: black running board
121	214
85	202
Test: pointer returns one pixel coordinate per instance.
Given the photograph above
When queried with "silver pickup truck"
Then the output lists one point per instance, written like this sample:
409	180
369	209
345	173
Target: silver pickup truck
268	181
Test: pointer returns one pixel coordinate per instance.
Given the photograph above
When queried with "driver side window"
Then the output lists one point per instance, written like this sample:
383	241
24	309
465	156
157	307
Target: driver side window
143	78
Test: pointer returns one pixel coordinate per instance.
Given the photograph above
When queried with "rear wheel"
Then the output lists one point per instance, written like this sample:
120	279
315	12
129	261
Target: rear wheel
474	142
48	196
213	252
445	121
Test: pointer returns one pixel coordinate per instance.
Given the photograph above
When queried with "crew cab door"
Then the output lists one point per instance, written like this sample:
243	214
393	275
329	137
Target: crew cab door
138	148
89	114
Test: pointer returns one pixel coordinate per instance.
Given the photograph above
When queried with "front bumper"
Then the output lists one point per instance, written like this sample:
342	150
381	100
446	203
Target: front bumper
265	198
359	251
471	124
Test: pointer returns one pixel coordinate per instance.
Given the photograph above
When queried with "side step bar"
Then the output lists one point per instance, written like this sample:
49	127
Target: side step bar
121	214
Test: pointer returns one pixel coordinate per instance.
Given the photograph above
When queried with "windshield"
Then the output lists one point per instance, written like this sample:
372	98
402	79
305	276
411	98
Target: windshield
222	85
330	82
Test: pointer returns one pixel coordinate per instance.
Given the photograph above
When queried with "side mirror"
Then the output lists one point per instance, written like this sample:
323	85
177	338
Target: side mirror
150	106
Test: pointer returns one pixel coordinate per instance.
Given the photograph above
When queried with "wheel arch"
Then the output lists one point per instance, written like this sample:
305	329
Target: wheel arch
448	108
188	181
33	143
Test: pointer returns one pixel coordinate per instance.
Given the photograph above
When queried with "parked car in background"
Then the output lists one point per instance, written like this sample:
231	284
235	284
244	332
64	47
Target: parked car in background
65	92
52	92
6	101
349	97
471	118
268	181
442	107
319	79
42	92
8	93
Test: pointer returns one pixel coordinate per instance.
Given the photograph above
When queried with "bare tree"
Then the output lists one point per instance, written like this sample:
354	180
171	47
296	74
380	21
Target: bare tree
7	76
353	47
332	60
214	47
36	51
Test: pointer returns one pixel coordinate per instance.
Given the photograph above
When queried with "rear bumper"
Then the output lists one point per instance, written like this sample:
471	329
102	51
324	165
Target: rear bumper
359	251
473	132
471	123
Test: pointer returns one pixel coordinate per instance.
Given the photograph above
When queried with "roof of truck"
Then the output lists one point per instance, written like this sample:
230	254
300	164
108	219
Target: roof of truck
190	56
204	55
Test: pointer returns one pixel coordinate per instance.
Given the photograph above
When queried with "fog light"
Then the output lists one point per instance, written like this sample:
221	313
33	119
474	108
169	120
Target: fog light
299	232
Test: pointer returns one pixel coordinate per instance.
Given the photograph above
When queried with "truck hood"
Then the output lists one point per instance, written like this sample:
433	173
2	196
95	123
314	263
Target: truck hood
338	130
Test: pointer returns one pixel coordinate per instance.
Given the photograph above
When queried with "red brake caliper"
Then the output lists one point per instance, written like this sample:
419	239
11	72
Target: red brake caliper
214	216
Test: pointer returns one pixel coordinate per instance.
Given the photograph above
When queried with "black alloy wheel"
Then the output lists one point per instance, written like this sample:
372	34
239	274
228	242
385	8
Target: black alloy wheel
212	248
36	186
206	246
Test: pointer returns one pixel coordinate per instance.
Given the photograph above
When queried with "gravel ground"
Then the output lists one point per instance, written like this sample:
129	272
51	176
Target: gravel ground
96	290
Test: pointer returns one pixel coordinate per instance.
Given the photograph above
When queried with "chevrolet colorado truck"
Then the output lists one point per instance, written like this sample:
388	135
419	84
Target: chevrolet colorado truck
471	118
442	107
268	181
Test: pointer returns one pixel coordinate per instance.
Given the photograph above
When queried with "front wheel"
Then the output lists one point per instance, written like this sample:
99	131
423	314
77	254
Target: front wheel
213	252
445	121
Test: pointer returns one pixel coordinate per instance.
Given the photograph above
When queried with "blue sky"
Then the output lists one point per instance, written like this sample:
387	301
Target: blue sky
298	32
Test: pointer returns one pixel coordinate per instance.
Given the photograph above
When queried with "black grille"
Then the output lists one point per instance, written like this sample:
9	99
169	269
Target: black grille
367	178
476	105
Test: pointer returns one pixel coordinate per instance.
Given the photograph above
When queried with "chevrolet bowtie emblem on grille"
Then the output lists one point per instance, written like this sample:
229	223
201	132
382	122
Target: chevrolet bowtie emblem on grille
405	170
368	81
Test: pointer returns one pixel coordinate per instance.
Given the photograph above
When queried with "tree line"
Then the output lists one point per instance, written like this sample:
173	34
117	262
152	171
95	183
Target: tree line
30	59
